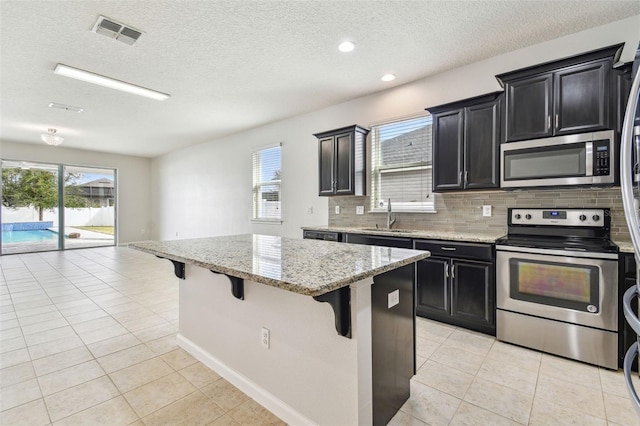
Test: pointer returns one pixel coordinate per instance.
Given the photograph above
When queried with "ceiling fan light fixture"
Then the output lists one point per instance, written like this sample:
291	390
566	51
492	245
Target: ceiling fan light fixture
109	82
51	138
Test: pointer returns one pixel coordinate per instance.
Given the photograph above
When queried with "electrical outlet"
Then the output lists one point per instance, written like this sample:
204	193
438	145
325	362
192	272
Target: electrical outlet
359	209
265	337
310	210
486	211
337	209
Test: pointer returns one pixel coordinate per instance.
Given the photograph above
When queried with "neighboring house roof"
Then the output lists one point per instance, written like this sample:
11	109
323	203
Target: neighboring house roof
410	147
102	182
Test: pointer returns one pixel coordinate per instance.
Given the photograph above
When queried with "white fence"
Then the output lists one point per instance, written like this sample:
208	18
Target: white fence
88	216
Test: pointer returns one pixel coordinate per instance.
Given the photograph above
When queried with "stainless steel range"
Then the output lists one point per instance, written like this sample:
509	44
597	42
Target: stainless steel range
557	284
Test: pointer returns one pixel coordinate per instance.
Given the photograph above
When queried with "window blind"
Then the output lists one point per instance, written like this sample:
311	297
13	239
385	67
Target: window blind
401	165
267	167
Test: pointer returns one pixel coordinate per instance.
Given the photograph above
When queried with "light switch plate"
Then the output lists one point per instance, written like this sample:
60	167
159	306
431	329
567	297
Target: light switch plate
359	209
486	211
393	299
337	209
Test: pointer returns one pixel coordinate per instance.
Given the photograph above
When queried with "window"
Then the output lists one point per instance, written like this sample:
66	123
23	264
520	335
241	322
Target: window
401	165
266	184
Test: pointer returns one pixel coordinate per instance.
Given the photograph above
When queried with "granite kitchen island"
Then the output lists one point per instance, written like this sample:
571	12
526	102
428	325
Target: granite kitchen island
318	332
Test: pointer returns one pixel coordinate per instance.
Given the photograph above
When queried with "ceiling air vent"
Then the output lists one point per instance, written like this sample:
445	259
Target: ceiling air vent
116	30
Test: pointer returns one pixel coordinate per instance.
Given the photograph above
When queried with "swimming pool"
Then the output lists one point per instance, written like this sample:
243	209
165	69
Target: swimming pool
37	236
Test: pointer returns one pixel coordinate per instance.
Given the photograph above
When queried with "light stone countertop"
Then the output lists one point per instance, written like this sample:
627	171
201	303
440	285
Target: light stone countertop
417	234
308	267
624	246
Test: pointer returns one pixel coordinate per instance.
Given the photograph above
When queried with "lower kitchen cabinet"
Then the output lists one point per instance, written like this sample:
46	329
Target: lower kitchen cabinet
456	284
378	240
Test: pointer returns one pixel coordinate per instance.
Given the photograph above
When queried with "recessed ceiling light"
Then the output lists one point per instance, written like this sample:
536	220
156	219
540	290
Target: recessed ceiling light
388	77
111	83
346	46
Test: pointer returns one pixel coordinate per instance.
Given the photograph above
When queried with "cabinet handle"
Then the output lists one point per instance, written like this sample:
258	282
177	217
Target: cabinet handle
548	122
453	273
557	122
460	177
448	248
466	177
446	270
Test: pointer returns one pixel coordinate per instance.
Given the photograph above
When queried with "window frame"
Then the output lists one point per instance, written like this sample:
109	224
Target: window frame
256	184
377	171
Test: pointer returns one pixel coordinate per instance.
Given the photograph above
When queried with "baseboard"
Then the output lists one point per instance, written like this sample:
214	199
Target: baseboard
259	394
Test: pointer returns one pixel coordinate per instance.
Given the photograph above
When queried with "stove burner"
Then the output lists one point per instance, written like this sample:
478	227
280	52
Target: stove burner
560	235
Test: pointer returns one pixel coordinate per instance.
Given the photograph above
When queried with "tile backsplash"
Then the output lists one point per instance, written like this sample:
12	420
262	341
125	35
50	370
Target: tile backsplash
462	212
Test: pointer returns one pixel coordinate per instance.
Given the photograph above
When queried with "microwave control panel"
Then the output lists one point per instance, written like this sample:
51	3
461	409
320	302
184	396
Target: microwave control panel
601	158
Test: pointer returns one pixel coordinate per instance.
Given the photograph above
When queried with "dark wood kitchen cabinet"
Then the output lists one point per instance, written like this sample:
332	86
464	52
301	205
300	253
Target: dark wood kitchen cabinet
571	95
456	284
341	154
466	139
622	87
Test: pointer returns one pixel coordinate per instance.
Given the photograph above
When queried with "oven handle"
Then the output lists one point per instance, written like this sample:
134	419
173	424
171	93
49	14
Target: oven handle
631	318
628	361
568	253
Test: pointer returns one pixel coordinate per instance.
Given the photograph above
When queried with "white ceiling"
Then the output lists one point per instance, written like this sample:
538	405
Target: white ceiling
231	65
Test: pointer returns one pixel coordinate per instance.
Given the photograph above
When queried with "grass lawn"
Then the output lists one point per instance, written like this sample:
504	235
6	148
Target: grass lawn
101	229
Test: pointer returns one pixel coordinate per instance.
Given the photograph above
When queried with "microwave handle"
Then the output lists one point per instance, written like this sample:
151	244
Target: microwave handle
589	154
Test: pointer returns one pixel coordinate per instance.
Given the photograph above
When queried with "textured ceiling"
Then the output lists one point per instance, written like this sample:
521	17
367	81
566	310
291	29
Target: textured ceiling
233	65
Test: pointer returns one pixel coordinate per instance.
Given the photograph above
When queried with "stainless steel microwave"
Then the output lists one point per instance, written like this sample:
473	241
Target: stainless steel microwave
582	159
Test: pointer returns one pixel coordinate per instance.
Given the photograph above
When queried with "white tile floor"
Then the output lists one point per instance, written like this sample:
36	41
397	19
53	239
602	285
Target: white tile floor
88	337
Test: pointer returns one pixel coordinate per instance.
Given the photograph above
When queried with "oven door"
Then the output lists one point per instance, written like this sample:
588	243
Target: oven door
559	285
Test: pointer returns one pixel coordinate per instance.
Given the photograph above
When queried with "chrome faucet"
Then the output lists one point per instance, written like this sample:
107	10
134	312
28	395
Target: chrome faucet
390	218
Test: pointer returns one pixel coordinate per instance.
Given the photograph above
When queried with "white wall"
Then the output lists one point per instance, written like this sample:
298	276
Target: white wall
205	190
133	174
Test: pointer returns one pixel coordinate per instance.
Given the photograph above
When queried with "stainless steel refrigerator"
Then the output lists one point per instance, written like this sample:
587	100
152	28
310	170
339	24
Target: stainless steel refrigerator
630	137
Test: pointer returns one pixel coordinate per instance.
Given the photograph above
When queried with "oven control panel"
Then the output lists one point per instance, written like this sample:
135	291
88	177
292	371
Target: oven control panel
558	217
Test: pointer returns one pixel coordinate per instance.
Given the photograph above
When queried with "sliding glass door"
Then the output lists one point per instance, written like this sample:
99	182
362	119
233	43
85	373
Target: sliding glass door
54	207
89	207
30	199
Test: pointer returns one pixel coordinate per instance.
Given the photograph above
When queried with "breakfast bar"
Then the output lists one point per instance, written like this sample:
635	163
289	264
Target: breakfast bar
318	332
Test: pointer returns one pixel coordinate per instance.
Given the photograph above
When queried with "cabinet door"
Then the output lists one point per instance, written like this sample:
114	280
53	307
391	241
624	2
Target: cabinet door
529	103
344	164
481	142
472	292
432	281
622	88
326	156
447	150
582	98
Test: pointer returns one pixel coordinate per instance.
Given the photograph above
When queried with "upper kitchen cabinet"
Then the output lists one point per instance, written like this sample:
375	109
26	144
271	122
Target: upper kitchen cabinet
623	79
341	154
571	95
466	139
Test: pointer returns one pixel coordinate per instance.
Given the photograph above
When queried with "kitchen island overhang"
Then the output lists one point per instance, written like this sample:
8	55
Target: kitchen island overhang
308	374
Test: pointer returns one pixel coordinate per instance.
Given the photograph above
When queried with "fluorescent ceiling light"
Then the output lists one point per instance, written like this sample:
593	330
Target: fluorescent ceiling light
111	83
346	46
388	77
